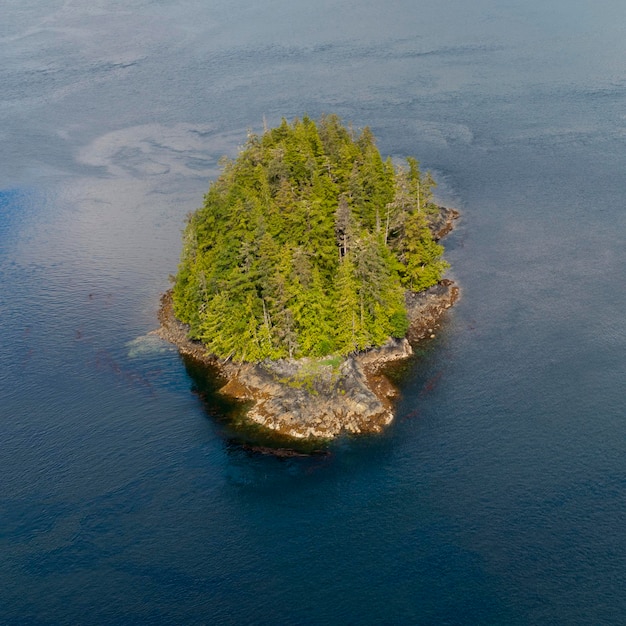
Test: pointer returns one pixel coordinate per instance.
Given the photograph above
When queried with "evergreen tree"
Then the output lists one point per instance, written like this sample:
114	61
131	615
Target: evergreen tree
304	246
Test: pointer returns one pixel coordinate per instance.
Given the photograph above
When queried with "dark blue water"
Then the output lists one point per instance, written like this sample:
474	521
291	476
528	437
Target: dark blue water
498	496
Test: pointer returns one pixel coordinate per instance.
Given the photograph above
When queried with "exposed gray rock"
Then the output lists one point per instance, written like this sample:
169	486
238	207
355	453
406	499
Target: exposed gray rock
426	308
443	222
317	398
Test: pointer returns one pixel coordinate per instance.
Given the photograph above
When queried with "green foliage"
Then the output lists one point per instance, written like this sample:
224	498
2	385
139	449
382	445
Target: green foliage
305	245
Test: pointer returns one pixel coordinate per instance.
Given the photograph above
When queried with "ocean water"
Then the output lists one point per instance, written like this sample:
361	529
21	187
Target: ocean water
498	495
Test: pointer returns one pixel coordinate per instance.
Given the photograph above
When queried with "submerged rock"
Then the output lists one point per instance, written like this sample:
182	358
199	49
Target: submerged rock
146	345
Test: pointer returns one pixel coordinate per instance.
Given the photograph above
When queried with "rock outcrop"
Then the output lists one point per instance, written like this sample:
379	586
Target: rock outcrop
426	308
443	222
317	398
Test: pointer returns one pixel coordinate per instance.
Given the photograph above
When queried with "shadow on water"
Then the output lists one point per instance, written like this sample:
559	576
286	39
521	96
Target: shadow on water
239	433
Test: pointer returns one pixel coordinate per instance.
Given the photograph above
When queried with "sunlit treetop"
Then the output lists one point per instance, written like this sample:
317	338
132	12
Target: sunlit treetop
305	245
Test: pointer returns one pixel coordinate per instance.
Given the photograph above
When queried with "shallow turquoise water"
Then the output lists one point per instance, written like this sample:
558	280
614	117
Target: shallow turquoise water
499	493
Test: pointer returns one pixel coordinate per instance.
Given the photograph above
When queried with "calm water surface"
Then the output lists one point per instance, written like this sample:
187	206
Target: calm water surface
499	494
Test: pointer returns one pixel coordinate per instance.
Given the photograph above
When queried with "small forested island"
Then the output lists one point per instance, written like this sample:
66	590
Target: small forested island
310	263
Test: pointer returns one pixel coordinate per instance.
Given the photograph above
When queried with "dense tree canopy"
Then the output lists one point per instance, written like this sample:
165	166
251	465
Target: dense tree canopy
305	246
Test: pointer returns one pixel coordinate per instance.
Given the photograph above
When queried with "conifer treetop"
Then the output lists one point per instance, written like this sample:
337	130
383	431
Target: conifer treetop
305	246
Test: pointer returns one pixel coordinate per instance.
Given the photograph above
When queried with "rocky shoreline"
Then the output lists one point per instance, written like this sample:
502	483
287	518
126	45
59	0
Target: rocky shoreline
322	398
